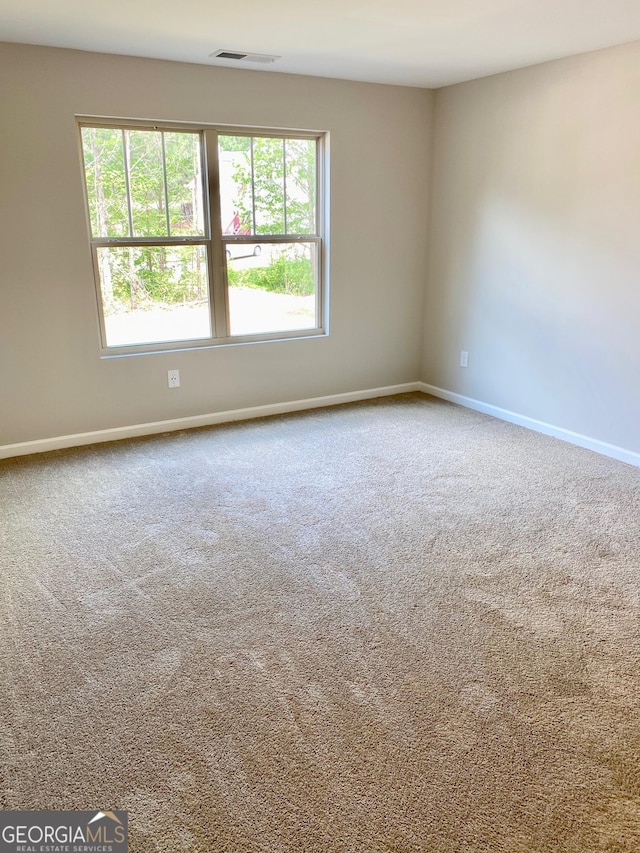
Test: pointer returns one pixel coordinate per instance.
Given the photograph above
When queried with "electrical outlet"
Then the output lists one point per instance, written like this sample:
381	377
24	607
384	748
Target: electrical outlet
464	358
174	378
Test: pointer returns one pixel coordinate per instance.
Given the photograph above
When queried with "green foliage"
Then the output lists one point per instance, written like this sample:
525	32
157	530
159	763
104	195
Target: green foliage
301	186
293	276
154	275
234	143
283	185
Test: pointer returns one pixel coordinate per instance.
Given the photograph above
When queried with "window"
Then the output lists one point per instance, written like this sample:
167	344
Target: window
203	235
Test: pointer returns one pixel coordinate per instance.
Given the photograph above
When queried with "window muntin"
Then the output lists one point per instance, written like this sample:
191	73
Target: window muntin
202	237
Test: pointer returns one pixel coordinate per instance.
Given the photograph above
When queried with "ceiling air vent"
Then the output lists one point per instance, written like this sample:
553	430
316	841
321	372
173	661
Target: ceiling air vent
242	56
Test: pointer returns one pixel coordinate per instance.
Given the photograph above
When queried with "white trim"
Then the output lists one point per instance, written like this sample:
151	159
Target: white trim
602	447
117	433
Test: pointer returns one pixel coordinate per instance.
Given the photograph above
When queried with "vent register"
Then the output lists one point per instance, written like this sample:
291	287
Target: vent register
243	56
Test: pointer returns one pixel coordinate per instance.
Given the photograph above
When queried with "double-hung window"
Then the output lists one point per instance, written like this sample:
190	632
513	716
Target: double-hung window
203	235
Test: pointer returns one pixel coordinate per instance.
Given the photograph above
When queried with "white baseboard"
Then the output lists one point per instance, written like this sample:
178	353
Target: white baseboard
602	447
117	433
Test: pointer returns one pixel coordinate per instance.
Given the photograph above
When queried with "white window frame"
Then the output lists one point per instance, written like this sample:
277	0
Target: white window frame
214	241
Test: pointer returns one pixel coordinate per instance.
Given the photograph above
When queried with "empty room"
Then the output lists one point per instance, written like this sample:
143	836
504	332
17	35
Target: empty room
320	427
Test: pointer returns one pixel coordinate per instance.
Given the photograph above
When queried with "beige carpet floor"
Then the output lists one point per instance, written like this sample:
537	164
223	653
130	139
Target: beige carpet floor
390	627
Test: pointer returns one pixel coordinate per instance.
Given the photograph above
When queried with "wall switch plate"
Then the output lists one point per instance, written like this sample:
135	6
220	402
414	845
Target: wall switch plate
174	378
464	358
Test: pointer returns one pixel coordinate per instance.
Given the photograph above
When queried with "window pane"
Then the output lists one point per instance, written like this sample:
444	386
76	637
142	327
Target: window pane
300	159
236	195
184	184
272	287
154	293
106	182
268	183
146	183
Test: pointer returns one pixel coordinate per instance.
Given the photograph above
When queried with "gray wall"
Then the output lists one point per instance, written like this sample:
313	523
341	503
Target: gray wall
52	381
535	236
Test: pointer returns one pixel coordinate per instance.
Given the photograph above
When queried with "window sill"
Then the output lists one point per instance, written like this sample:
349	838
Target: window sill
210	343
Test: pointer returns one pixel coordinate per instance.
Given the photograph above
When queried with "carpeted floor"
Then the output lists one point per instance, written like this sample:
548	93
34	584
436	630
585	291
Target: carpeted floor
390	627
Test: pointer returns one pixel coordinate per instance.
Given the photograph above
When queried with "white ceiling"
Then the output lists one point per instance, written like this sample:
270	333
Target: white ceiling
428	43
